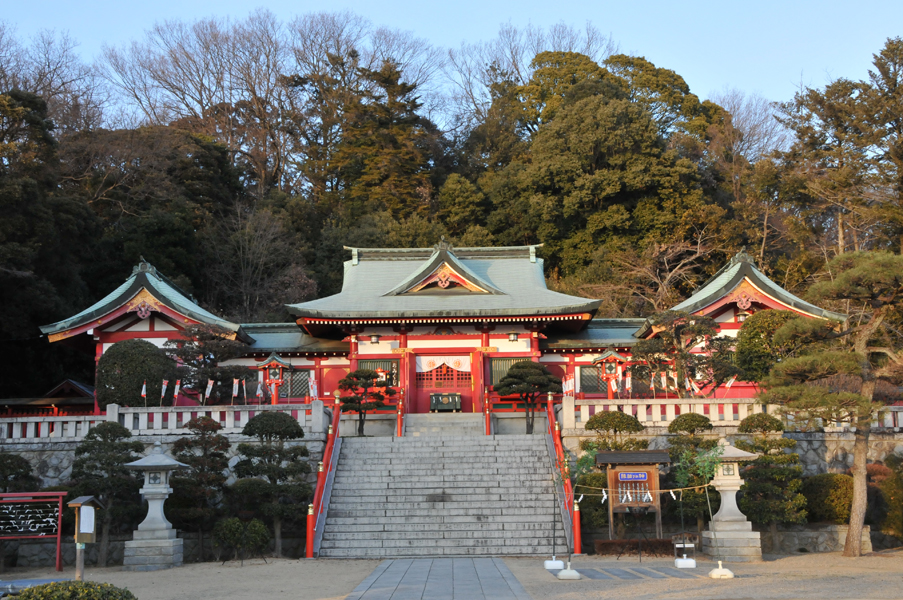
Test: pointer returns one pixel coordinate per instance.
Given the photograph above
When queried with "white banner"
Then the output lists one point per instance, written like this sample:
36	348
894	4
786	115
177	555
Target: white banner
428	363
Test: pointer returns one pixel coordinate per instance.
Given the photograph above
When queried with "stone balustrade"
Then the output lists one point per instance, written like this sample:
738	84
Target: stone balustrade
151	421
723	412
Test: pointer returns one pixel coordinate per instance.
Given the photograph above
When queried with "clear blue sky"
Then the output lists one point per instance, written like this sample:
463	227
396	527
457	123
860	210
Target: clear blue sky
762	46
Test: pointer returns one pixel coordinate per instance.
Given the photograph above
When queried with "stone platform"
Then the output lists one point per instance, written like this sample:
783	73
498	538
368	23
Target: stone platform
151	551
732	542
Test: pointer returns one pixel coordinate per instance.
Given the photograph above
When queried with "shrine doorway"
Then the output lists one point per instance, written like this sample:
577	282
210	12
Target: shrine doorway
443	374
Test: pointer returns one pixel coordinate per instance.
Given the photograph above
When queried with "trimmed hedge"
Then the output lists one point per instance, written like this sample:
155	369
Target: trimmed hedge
76	590
829	497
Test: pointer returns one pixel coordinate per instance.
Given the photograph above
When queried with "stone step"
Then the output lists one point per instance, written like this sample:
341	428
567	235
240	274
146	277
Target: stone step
392	494
438	497
439	529
440	543
433	511
377	553
437	487
466	479
437	473
545	532
363	520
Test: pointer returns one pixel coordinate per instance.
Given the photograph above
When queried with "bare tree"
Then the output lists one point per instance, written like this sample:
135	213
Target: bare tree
473	68
49	65
256	266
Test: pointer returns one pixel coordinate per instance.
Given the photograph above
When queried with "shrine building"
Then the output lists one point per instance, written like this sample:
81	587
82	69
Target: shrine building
441	319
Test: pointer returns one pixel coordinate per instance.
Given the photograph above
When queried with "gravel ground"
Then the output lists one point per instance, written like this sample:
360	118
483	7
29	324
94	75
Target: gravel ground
815	576
812	576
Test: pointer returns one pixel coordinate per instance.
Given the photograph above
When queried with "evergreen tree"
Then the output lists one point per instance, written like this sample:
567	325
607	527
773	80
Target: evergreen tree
756	350
531	382
127	367
367	393
99	470
384	154
198	490
278	464
867	348
16	474
685	445
771	492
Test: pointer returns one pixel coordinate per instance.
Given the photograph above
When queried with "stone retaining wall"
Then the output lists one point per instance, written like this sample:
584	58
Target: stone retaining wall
820	451
812	538
53	461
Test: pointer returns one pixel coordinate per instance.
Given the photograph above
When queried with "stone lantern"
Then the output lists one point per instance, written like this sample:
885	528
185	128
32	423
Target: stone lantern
154	545
730	537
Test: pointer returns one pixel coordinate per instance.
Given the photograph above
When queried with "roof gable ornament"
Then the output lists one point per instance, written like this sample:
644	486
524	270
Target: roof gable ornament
445	278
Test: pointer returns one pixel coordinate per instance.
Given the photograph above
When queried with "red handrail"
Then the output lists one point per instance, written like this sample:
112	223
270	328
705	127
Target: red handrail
316	507
487	410
562	465
399	415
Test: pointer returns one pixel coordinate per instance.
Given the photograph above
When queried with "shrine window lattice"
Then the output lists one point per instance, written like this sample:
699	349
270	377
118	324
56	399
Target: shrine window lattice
443	377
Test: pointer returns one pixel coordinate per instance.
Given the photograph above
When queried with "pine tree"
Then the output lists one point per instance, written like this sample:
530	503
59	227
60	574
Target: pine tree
367	393
275	468
867	348
771	493
197	490
99	470
530	381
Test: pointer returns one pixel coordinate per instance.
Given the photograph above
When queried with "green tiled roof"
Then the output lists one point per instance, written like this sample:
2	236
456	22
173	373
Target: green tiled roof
144	275
374	278
729	277
599	333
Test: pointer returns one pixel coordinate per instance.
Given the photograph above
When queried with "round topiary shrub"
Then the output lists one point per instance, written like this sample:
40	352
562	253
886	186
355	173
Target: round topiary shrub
613	428
760	423
124	368
829	497
269	426
76	590
690	424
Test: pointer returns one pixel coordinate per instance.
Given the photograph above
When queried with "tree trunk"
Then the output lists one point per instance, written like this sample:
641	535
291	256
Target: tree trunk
841	241
277	537
764	236
529	417
773	528
700	525
853	545
360	423
105	537
200	545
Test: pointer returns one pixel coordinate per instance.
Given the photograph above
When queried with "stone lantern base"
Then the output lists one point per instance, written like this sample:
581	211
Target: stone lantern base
732	541
153	551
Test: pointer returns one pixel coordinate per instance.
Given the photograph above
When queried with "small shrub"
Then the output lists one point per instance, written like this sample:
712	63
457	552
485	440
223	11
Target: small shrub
829	497
244	540
76	590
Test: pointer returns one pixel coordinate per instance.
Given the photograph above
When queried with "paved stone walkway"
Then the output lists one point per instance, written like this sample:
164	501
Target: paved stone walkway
633	573
440	579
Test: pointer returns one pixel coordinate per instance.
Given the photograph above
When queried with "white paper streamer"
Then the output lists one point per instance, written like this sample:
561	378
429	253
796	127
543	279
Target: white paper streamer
673	497
604	496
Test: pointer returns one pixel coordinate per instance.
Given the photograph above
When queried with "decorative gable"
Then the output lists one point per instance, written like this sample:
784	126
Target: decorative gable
444	279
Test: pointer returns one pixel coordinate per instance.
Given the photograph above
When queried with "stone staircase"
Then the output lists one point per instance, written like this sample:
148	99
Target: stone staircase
431	494
444	424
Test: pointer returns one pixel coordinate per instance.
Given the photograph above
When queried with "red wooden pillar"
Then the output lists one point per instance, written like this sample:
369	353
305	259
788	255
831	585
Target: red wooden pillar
352	355
318	375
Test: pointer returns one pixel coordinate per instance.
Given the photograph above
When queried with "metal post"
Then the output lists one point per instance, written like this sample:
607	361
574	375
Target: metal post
578	541
311	524
79	561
